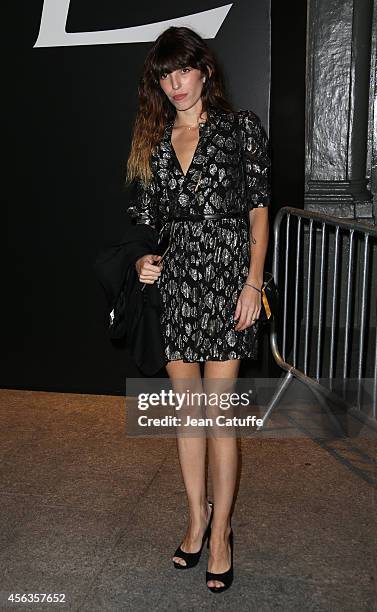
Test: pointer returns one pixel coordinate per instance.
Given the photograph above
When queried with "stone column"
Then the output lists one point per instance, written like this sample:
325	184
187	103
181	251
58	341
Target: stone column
337	108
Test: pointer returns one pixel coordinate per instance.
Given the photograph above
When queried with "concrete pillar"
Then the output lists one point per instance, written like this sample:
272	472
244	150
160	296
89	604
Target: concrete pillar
339	95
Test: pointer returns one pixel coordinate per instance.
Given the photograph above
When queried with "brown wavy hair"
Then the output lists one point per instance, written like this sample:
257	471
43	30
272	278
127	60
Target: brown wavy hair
177	47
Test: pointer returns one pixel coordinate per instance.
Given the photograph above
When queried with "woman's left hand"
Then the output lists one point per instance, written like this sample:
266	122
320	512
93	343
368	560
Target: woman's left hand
248	308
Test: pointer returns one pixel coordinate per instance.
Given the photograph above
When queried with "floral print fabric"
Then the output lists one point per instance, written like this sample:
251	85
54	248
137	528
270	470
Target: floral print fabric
208	260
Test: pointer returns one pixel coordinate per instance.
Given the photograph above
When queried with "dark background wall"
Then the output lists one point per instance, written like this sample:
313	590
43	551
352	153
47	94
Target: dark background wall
69	126
287	111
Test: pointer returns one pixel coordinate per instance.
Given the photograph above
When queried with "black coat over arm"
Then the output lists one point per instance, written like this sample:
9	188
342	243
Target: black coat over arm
134	313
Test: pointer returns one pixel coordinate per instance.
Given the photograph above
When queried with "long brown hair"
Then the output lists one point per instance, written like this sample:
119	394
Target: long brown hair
177	47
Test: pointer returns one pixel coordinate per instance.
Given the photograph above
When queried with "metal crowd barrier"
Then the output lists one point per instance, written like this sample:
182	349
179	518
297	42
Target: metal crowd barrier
326	273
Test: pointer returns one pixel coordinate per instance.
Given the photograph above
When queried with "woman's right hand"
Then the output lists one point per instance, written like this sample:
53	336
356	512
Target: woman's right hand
148	269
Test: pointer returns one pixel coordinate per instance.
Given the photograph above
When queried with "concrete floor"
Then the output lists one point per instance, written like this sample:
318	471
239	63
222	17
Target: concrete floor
92	513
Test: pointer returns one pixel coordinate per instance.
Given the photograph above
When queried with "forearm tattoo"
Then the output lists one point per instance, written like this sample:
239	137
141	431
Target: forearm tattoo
253	239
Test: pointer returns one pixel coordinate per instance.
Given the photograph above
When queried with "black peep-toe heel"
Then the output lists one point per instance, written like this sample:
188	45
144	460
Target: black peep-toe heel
225	577
192	559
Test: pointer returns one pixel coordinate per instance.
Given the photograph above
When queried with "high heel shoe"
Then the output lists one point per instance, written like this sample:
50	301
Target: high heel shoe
226	577
192	559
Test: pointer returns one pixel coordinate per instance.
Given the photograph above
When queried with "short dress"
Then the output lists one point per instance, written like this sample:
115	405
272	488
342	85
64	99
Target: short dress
208	260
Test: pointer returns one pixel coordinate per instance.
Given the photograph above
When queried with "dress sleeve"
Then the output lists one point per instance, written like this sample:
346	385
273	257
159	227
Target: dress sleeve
256	160
143	205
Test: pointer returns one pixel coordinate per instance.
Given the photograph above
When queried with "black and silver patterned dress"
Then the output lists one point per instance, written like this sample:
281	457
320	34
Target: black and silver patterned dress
208	260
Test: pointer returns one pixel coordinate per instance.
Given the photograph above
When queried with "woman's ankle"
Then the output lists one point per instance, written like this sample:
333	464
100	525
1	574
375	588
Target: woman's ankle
220	531
203	511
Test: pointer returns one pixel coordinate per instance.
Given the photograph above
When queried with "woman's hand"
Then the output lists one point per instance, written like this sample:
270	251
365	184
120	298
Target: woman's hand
248	308
147	271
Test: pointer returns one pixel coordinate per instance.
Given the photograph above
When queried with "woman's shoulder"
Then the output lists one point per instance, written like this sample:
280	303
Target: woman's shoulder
250	126
246	119
243	113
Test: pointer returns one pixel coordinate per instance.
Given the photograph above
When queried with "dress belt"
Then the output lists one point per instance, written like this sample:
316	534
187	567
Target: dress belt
201	217
176	217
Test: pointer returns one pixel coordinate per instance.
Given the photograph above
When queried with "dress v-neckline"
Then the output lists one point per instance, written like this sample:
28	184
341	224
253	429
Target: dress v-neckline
195	152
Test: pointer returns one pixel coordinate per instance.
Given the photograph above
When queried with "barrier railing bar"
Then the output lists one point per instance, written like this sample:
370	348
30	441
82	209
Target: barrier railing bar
363	313
286	286
334	305
308	300
348	305
295	321
330	220
320	311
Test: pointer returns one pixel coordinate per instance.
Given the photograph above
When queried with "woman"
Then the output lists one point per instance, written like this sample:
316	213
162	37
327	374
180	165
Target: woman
201	176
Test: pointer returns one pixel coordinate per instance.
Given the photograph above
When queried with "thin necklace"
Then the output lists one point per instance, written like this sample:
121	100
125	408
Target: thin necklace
190	127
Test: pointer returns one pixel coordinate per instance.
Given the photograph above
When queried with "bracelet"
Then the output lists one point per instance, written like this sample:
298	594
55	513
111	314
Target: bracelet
256	288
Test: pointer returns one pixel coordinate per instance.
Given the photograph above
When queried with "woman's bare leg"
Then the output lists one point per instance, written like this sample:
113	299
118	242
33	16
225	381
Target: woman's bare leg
223	463
192	455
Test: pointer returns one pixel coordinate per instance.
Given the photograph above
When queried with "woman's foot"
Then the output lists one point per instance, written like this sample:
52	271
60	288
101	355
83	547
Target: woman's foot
194	536
219	560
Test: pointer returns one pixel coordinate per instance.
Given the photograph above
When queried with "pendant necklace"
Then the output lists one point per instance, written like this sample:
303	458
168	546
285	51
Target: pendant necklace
190	127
